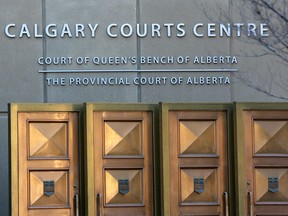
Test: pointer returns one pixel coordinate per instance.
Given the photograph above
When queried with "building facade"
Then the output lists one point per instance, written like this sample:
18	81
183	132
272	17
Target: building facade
144	107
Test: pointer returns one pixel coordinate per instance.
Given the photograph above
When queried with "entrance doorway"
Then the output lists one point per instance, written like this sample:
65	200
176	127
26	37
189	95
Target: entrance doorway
44	159
262	158
149	159
120	149
195	159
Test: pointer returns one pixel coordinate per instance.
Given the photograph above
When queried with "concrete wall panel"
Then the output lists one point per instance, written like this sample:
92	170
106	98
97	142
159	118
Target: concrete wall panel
19	78
262	74
96	48
187	87
79	88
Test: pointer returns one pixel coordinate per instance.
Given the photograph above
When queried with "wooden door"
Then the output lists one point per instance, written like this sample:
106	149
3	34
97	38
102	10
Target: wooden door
195	166
266	161
122	162
48	179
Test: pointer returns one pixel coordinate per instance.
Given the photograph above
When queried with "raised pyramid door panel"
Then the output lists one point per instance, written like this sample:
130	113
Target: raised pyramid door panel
48	139
123	139
197	138
269	137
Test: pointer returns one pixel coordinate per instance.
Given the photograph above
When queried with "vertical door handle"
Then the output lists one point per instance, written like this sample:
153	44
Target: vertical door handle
226	201
99	204
250	203
76	200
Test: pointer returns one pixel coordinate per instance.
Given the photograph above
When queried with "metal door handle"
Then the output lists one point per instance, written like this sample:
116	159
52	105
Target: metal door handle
99	204
250	203
76	199
225	194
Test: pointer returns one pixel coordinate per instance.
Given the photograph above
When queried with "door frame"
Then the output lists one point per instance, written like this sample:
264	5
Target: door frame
14	109
240	183
90	197
165	150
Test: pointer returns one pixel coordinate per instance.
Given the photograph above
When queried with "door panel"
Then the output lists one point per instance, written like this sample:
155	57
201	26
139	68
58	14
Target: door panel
266	154
48	164
123	166
197	168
